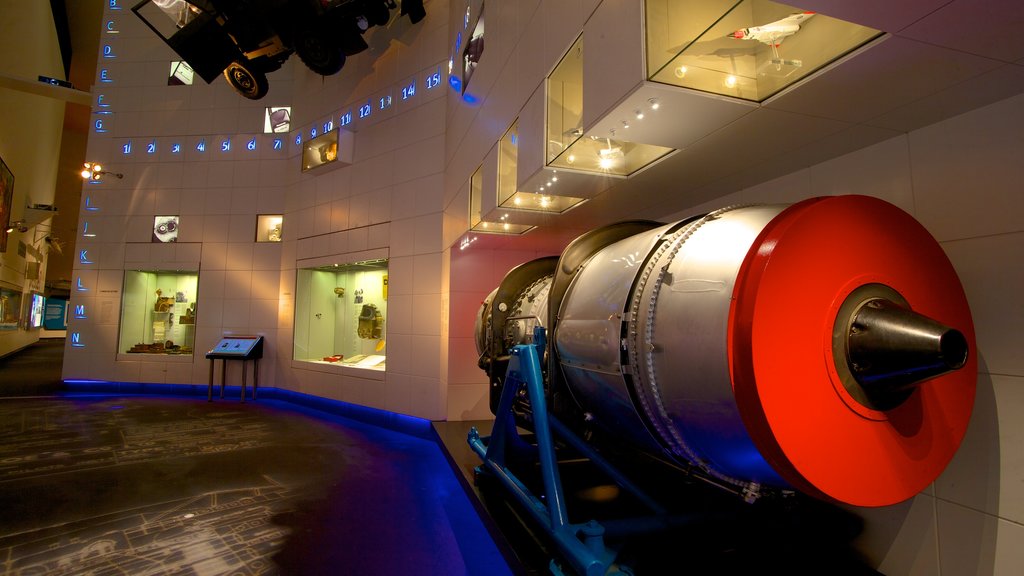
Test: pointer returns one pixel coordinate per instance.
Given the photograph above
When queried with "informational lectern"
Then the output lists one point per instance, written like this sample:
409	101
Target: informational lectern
236	348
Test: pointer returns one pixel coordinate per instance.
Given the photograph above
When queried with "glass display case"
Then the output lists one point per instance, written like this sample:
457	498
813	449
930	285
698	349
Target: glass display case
10	307
158	312
340	314
750	49
567	145
268	227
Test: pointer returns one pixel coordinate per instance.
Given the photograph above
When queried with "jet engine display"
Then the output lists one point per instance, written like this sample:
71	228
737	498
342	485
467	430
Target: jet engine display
825	347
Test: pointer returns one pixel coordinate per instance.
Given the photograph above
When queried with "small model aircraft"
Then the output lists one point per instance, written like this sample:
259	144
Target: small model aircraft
774	33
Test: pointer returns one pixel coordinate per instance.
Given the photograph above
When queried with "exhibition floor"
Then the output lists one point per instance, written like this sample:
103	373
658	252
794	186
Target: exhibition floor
139	485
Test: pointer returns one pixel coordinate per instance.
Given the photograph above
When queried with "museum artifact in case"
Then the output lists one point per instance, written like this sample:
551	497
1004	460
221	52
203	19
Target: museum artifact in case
340	313
751	49
10	307
158	312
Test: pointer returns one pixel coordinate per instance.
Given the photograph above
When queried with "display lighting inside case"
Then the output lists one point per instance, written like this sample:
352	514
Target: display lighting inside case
750	49
330	148
268	227
158	312
340	314
10	307
541	201
567	145
502	227
544	199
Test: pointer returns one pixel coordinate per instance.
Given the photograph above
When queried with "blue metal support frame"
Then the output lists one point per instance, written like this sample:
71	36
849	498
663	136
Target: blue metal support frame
582	545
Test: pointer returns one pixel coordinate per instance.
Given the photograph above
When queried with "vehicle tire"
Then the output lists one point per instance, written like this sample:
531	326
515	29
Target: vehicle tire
248	82
377	12
318	52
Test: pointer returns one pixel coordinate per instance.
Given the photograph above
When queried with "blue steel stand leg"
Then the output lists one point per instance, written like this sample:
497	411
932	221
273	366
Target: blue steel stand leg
581	544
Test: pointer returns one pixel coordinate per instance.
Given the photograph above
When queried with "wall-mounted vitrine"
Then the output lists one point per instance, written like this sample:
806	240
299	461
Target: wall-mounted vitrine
268	227
750	49
10	307
158	312
568	146
340	314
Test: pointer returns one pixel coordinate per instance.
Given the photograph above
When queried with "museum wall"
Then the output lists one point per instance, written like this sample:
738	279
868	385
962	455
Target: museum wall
200	153
961	179
30	140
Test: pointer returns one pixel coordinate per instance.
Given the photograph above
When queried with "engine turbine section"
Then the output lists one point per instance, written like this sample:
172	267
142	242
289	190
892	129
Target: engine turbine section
825	346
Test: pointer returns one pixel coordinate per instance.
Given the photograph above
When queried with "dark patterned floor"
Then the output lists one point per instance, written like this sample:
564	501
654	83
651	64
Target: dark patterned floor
147	485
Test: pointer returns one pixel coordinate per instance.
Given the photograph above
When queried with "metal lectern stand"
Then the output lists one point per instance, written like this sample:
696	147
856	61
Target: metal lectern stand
236	348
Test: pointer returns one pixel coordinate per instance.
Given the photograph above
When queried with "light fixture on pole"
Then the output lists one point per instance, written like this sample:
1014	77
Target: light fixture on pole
94	171
18	225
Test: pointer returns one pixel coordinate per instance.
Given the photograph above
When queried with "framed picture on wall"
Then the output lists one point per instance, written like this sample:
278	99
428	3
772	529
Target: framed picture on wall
6	200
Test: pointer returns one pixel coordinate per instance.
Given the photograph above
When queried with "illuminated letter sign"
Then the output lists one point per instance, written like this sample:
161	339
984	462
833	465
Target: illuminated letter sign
278	144
80	287
108	52
105	75
83	257
76	340
80	311
251	145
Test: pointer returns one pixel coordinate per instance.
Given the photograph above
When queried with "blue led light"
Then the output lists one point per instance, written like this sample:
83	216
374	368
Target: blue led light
126	148
455	83
151	147
108	51
175	148
278	144
76	340
251	145
80	312
225	146
83	257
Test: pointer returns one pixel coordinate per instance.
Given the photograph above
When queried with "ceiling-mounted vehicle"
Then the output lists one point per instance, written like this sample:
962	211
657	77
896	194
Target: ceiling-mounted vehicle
246	39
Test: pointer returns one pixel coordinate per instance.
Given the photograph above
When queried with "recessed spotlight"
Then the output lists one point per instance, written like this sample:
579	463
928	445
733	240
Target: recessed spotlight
681	71
654	103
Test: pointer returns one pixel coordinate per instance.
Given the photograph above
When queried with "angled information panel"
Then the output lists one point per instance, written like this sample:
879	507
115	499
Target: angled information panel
242	347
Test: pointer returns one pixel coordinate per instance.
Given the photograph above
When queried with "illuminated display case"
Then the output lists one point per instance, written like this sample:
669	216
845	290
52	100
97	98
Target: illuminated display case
158	312
333	148
567	145
750	49
268	227
10	307
340	314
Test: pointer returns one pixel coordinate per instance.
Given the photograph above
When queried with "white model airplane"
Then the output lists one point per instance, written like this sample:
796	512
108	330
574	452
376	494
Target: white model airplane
774	33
